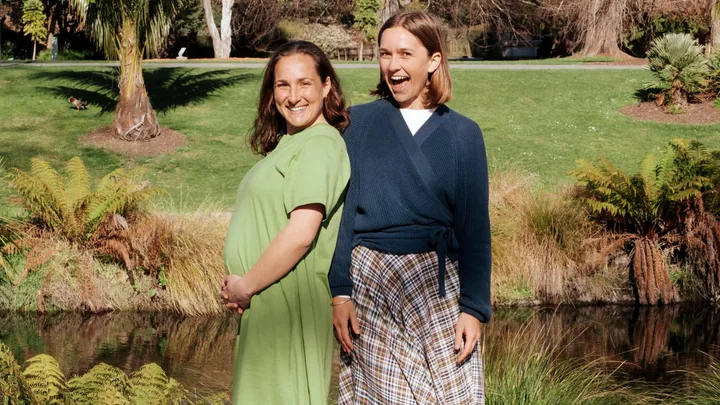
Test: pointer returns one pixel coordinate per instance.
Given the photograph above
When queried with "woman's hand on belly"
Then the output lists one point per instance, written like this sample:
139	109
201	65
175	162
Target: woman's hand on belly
235	293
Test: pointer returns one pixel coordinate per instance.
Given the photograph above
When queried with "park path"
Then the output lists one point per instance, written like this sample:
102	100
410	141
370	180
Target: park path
251	65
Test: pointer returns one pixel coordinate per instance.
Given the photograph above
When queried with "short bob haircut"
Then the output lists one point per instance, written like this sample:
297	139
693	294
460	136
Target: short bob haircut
430	32
269	124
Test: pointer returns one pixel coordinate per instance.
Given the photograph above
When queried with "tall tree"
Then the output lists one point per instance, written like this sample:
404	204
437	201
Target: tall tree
714	43
597	24
221	40
366	22
128	30
390	7
34	22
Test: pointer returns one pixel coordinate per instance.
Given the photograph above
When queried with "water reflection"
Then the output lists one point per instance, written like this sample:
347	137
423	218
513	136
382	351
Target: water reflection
198	351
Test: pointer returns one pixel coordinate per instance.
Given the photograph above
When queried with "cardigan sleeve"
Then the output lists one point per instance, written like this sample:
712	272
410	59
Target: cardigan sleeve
472	223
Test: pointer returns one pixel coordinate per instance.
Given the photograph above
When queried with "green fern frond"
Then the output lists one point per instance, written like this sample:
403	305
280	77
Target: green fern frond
78	186
175	393
85	390
150	384
36	198
110	395
55	188
649	175
153	387
216	399
13	387
45	380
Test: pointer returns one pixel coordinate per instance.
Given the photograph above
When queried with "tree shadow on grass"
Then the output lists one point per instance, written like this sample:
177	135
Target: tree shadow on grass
646	94
168	88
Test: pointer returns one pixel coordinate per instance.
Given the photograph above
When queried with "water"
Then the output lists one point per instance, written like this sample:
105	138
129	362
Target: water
650	343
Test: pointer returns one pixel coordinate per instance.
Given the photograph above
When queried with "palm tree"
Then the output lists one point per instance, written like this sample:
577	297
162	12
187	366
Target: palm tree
129	30
679	68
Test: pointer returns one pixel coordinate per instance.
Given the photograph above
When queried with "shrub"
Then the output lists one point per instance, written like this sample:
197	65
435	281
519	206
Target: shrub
330	38
713	85
679	68
69	208
652	208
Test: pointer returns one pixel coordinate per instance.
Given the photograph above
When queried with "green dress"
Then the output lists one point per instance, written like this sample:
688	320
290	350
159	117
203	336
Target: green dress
283	352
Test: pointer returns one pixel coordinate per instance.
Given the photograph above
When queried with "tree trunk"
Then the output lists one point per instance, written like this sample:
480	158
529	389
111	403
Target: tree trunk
34	49
361	50
391	7
50	27
222	40
650	332
601	28
134	116
714	43
650	274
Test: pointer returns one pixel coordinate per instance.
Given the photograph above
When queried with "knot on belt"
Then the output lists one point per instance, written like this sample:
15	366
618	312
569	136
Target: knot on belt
446	246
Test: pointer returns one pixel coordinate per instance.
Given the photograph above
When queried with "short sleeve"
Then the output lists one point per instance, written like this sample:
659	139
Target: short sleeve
317	174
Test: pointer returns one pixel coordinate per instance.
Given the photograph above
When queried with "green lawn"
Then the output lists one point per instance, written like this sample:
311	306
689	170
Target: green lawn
541	121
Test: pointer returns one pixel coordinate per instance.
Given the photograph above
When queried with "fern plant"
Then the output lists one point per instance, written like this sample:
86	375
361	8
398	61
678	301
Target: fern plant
153	387
42	382
648	205
679	68
13	388
70	208
46	381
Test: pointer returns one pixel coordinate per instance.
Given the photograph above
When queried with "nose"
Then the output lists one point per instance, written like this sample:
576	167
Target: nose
394	64
294	94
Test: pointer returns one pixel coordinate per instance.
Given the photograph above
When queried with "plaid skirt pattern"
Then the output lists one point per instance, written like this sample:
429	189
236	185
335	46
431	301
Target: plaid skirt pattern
405	353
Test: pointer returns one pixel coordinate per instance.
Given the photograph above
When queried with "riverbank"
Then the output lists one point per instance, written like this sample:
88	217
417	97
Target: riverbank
545	251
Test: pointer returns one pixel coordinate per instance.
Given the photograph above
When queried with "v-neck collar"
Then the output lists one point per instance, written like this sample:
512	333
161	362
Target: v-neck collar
425	130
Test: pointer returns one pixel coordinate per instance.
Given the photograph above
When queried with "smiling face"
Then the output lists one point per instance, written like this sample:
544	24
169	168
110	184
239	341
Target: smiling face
405	66
299	92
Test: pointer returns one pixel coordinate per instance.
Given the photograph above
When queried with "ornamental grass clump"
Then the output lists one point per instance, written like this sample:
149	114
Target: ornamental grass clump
527	368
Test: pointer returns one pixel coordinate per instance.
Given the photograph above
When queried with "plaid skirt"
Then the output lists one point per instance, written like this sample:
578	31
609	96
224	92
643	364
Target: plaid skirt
405	353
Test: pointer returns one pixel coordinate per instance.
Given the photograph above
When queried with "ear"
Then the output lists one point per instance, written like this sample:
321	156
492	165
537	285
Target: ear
435	60
326	86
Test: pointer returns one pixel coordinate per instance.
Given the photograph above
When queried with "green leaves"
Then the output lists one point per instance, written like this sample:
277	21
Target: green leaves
642	202
71	208
46	381
34	20
366	17
679	66
147	22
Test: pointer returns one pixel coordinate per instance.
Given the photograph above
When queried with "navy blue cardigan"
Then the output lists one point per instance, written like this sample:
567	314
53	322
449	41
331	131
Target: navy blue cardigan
391	207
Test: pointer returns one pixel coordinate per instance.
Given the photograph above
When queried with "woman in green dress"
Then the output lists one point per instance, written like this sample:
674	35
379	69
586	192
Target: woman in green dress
283	232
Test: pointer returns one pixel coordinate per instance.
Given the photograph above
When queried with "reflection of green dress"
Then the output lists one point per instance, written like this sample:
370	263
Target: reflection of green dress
283	354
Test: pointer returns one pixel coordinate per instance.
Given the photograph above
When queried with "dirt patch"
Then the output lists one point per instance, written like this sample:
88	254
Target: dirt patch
701	113
103	138
620	62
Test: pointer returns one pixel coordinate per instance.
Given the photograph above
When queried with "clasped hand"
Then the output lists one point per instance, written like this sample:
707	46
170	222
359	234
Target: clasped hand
235	293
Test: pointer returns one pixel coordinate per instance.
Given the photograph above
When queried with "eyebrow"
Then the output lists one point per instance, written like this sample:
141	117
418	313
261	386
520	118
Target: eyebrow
299	80
399	50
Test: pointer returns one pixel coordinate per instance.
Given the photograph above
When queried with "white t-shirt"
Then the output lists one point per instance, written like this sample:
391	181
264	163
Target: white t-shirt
416	118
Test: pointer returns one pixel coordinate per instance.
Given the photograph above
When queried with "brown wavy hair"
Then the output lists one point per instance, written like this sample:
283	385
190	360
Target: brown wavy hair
269	124
428	30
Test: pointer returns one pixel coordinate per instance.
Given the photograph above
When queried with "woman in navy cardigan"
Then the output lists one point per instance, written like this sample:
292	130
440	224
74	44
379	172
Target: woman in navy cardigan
410	277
